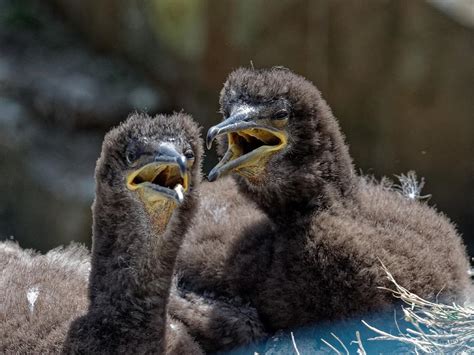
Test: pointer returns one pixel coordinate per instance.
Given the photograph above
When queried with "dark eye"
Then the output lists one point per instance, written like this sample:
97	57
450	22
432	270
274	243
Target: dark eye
280	115
130	156
189	154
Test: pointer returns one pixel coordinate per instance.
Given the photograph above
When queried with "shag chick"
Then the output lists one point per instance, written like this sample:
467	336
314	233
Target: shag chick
146	185
320	258
146	179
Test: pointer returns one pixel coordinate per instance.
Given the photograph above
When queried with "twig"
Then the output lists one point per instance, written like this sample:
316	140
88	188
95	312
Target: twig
340	342
449	328
294	344
358	341
332	347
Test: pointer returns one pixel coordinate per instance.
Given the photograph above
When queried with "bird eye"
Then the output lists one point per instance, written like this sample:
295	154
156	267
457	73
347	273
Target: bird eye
280	115
130	156
189	154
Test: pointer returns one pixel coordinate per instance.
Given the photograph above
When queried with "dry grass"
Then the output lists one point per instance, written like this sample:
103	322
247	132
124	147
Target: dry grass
433	327
436	327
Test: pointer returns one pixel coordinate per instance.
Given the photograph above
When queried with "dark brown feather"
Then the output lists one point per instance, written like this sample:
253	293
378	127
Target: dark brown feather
312	249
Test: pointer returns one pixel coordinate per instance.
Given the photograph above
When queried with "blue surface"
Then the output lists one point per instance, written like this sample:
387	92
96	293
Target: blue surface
308	339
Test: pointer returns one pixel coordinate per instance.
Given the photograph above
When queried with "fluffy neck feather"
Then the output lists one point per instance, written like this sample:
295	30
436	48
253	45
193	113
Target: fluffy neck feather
131	274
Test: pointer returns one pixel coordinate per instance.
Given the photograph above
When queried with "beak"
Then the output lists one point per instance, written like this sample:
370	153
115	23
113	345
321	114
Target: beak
251	142
165	177
237	122
168	155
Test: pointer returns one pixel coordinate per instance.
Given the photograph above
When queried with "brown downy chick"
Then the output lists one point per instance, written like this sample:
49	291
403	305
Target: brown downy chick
146	181
332	228
282	143
146	185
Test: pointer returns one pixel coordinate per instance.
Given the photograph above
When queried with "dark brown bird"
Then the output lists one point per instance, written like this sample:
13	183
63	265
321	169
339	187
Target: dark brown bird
318	256
146	185
146	179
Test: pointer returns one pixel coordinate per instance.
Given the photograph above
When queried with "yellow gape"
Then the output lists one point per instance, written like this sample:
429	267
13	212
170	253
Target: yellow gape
161	187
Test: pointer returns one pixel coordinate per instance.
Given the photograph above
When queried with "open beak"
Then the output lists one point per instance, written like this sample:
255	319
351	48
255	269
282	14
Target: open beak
165	177
251	143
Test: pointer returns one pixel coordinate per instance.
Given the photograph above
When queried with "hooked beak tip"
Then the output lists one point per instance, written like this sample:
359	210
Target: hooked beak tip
211	135
213	175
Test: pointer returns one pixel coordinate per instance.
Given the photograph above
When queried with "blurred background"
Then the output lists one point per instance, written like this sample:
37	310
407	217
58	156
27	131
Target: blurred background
398	74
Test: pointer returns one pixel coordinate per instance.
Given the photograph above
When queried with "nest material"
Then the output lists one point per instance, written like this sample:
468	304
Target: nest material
433	327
